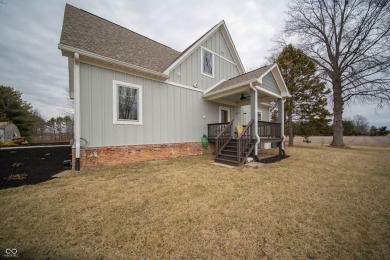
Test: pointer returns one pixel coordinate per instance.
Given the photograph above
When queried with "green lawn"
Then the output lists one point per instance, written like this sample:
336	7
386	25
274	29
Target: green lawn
322	202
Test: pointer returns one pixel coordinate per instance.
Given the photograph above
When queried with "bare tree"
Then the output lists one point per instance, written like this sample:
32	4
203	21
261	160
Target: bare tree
350	41
51	126
39	125
68	125
361	125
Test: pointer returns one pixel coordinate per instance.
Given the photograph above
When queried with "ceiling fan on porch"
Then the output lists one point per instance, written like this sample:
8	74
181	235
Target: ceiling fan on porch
243	97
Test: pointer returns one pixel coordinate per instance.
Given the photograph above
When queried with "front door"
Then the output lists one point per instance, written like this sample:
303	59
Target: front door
224	114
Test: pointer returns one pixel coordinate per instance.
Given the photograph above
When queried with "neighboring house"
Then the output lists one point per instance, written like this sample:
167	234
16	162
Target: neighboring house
8	132
137	99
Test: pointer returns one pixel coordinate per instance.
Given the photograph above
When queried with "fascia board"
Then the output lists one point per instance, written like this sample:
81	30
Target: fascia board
279	80
192	49
214	86
261	89
88	54
229	42
260	79
283	83
229	88
232	48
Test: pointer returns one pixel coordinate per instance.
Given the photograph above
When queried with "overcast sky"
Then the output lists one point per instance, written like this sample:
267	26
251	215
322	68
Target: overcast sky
30	32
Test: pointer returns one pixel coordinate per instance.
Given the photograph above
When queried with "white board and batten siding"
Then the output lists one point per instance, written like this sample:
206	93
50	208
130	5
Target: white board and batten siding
265	114
269	83
170	114
188	72
241	115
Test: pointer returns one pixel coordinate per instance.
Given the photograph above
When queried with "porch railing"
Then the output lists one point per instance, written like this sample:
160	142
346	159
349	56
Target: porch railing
214	129
244	140
223	138
269	129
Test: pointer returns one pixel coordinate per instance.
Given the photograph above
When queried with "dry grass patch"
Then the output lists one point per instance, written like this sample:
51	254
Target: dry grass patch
320	203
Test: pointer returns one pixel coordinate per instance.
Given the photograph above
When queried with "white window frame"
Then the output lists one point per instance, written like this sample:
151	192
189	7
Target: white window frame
261	115
117	121
201	62
228	111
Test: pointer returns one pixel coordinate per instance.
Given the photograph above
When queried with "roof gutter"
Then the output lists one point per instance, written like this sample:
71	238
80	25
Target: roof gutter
82	53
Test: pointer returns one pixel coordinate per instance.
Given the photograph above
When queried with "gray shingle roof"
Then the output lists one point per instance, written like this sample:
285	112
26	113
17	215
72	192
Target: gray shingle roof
251	75
91	33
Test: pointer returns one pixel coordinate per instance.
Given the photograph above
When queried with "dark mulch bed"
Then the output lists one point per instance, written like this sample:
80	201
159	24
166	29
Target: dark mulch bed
274	159
31	165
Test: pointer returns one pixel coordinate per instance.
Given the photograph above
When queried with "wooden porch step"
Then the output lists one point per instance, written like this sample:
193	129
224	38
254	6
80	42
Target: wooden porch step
227	157
231	147
225	161
230	152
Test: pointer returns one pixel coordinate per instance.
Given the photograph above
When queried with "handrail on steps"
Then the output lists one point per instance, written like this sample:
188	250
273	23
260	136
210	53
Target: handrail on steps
223	138
244	140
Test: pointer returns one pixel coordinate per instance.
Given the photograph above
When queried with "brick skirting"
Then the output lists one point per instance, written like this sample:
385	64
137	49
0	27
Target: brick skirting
116	155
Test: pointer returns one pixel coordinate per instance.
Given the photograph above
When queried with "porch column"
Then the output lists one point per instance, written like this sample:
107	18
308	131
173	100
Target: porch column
255	125
281	121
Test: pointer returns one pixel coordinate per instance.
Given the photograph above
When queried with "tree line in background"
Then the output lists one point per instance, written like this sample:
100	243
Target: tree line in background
359	125
306	112
30	123
349	41
56	129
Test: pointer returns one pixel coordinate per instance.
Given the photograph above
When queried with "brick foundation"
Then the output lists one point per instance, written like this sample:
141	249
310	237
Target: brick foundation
116	155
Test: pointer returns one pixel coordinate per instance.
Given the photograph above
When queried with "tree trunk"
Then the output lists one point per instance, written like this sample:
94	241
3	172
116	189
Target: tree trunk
337	114
290	128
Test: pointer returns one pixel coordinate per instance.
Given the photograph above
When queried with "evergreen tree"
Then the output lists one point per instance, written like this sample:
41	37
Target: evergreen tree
307	106
52	127
382	131
348	127
14	109
373	131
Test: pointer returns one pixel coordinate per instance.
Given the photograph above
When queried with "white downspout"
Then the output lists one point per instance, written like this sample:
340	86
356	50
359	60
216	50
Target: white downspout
77	120
282	124
281	121
256	121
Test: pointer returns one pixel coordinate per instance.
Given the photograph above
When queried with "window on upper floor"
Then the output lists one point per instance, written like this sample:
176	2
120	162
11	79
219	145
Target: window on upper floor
127	103
207	63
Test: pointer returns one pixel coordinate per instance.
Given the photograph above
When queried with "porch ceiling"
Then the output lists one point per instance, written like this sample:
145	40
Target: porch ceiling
232	97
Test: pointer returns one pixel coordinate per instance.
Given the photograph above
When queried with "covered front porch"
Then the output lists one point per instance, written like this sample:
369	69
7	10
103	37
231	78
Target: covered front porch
243	125
269	132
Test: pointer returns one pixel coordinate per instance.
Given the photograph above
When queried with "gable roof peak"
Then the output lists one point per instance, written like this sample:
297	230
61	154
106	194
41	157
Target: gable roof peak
190	49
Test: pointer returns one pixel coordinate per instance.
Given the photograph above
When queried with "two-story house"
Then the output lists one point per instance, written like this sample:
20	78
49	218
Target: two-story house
136	99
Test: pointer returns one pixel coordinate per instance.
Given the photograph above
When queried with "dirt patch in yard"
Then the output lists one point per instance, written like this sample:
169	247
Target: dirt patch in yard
274	159
22	166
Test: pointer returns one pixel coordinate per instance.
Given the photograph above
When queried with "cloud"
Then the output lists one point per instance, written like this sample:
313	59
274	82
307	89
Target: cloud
31	62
